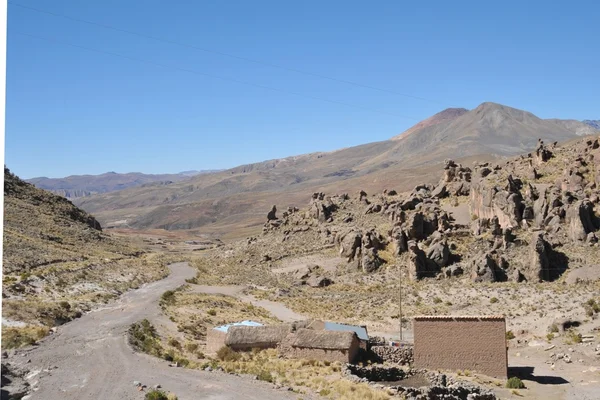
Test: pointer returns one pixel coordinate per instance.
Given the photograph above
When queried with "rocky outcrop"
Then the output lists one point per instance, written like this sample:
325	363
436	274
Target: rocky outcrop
483	268
581	220
321	208
361	248
456	181
420	266
439	253
272	215
505	204
539	261
542	153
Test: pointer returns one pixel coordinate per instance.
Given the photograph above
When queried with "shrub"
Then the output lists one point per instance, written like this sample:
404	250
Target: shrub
494	300
510	335
550	336
226	354
143	337
65	305
167	297
175	343
554	328
574	337
437	300
191	347
156	395
212	312
515	383
265	376
21	337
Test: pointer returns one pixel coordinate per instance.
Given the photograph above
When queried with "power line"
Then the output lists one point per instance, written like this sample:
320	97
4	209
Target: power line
299	71
191	71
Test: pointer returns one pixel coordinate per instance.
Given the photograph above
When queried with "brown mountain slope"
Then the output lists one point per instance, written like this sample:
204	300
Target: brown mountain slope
246	192
488	129
447	115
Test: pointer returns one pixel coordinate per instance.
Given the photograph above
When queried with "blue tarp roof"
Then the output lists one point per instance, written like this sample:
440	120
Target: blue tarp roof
361	332
225	328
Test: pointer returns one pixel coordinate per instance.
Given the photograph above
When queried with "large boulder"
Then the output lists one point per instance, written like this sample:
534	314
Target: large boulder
539	259
483	268
439	253
581	220
349	244
490	202
272	215
370	260
399	240
420	266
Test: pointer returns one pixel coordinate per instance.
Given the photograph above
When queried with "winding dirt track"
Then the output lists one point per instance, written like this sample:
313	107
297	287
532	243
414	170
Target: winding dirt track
89	358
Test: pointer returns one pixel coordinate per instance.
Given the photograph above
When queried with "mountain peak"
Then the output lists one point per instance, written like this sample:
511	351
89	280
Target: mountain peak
446	115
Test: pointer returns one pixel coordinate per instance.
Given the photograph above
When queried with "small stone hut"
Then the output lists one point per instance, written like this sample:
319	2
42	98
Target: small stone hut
320	345
475	343
315	324
242	338
215	337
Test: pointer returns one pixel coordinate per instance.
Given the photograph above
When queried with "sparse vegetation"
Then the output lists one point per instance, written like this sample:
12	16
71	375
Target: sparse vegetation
227	354
13	337
515	383
510	335
154	394
143	337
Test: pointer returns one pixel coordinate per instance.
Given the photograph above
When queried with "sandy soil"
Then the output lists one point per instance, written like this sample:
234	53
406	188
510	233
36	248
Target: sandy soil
90	358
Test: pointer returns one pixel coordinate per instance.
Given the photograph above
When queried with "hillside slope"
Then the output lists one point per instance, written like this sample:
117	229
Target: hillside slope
242	195
57	262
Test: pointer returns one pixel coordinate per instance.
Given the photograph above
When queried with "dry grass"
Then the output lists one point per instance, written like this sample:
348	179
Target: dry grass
194	313
316	376
22	336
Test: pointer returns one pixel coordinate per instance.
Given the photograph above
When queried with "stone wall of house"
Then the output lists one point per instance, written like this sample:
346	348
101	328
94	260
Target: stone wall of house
214	340
342	356
477	344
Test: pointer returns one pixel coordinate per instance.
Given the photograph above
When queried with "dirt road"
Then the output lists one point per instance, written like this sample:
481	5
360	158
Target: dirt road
89	358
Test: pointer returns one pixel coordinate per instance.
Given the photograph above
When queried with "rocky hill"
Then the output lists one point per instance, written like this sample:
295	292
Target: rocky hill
57	262
521	234
232	199
77	186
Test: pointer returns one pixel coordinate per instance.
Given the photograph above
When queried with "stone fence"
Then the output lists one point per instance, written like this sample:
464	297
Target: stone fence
393	355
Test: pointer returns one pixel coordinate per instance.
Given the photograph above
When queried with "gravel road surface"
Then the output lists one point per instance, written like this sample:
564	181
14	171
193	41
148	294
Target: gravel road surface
89	358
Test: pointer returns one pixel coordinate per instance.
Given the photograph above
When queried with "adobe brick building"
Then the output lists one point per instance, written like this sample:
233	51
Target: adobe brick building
475	343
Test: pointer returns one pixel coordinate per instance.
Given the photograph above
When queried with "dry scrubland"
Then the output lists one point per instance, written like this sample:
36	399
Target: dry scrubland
58	264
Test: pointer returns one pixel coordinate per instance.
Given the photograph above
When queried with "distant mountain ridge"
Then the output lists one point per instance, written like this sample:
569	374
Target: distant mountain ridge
594	123
77	186
241	196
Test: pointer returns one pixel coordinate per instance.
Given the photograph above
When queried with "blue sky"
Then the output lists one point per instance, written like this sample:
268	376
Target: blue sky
74	111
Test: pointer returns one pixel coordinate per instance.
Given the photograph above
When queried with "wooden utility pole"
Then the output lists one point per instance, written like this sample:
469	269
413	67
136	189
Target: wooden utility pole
400	302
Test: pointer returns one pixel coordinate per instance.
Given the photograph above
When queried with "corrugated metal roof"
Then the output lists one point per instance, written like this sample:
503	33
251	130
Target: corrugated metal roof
360	331
225	328
460	317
